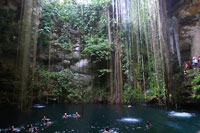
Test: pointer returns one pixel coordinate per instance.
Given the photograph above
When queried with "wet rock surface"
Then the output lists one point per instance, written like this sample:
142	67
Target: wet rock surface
61	59
189	30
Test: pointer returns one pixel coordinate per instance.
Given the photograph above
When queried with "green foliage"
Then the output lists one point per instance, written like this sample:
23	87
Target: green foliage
49	16
66	24
104	71
196	86
74	95
67	19
153	87
98	49
91	94
131	95
60	84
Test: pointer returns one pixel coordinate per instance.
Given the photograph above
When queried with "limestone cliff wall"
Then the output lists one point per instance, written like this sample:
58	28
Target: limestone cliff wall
186	14
189	30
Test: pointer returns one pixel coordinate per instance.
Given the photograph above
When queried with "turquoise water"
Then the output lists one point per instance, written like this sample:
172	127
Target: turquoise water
96	117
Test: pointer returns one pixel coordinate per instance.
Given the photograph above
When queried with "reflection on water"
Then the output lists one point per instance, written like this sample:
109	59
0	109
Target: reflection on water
119	119
39	106
130	120
180	114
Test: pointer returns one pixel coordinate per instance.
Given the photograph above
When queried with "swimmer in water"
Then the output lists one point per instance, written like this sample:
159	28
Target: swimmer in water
46	121
44	118
12	128
30	128
77	115
107	130
148	124
129	106
65	115
35	130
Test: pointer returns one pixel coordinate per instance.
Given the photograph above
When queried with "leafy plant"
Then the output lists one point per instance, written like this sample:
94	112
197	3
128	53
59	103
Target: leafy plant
104	71
98	49
131	95
68	24
196	86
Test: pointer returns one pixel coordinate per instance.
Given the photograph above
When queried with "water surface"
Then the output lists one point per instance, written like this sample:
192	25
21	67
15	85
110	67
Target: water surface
96	117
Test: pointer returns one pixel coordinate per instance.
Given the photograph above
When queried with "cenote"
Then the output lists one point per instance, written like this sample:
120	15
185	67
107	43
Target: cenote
96	117
96	57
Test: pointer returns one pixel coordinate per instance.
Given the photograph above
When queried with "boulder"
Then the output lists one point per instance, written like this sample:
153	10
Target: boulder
66	63
68	57
57	57
82	66
57	67
82	79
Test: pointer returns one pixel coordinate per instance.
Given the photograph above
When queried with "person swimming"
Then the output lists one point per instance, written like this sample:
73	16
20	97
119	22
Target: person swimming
107	130
46	120
129	106
35	129
77	115
13	129
30	128
65	115
148	124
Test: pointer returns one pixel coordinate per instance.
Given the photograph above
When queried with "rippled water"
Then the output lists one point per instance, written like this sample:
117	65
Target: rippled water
96	117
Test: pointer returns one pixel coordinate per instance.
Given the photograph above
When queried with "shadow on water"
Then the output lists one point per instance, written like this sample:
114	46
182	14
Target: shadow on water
95	118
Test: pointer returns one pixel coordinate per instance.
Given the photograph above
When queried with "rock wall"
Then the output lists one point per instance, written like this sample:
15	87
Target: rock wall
9	27
189	30
186	14
183	25
61	59
56	58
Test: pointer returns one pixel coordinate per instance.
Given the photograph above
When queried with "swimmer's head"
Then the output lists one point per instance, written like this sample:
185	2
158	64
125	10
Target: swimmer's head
107	129
148	124
30	125
12	127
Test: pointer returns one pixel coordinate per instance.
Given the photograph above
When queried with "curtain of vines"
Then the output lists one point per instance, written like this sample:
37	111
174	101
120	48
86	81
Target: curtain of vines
147	50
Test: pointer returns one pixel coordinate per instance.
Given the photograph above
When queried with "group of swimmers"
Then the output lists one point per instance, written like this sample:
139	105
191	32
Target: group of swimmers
76	115
13	129
46	122
32	129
